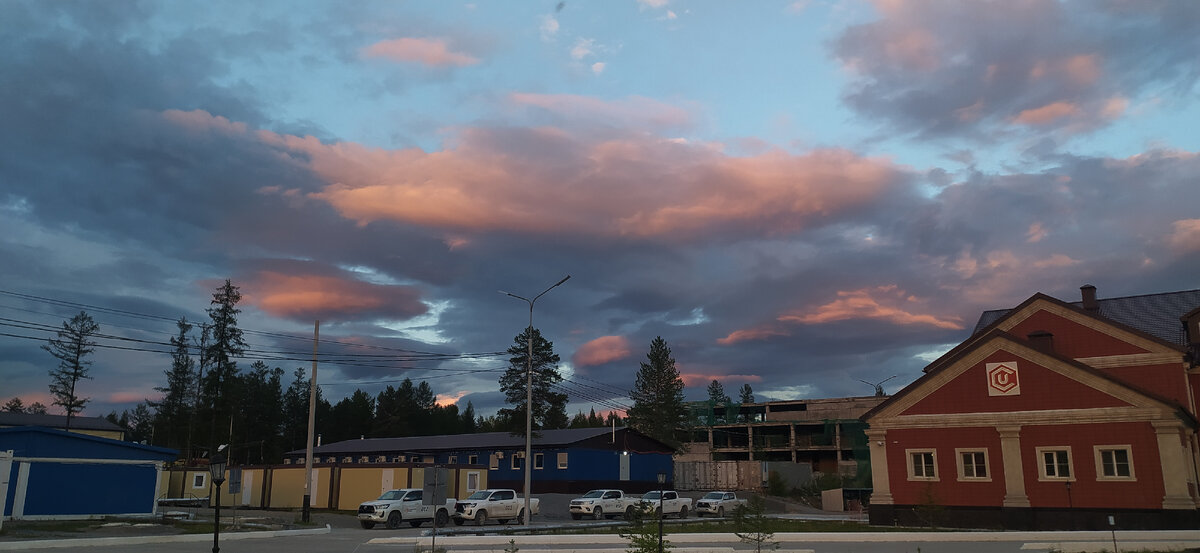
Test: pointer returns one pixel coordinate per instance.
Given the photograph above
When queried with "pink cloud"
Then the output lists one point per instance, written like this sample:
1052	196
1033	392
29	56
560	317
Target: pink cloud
426	51
498	179
316	297
1185	235
749	334
1049	113
887	303
604	349
450	399
129	397
202	121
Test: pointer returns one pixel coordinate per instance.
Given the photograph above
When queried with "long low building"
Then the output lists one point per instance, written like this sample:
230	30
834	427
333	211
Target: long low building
566	461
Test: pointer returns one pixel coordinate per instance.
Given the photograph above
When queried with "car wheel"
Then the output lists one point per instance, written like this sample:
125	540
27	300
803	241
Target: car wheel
480	516
458	522
683	512
394	520
597	513
441	518
629	514
720	512
521	518
576	516
366	524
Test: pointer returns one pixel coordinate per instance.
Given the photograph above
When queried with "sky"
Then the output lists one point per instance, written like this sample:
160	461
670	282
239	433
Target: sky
800	196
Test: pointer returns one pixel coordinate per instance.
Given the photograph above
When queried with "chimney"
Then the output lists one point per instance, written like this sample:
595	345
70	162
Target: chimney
1089	298
1041	340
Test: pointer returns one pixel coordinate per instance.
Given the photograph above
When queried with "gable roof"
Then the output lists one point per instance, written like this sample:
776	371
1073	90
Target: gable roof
1154	314
39	441
969	356
59	421
450	442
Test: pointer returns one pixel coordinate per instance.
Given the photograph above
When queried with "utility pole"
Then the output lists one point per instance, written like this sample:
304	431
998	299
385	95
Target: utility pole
312	417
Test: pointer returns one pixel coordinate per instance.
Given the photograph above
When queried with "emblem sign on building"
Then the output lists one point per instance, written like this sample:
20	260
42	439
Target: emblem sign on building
1002	379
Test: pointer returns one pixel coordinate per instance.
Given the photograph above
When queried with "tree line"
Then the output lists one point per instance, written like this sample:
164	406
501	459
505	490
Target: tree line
207	400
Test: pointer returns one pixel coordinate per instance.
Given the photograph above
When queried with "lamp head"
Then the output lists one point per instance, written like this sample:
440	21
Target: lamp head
216	467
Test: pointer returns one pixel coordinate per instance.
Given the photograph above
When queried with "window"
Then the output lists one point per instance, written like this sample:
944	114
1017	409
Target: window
972	464
1114	462
494	461
200	480
452	460
1054	463
537	461
562	460
922	464
472	459
515	461
472	482
428	459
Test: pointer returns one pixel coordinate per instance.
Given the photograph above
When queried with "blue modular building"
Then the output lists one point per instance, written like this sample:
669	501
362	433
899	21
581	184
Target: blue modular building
564	461
52	474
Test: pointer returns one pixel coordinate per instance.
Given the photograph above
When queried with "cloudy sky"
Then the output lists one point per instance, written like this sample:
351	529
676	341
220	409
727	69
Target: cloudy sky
795	195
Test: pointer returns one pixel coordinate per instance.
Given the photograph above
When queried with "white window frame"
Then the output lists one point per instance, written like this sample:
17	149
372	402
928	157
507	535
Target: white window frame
473	479
538	461
514	461
1099	455
962	466
202	477
472	459
562	460
452	460
912	473
1043	475
494	461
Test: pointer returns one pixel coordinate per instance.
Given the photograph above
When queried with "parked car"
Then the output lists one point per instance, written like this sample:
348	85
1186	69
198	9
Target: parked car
395	507
500	505
717	503
671	503
599	504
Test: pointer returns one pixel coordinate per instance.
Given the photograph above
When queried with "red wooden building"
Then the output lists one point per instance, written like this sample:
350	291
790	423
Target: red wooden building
1051	415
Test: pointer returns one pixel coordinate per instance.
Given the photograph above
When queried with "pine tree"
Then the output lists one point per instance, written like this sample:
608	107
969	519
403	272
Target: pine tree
36	408
175	408
549	407
14	405
260	415
71	347
747	395
226	344
658	409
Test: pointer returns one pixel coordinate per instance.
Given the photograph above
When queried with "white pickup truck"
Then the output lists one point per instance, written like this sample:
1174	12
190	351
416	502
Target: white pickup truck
499	505
718	503
395	507
671	503
599	504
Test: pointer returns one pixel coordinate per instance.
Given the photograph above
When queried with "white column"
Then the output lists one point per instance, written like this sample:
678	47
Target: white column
1174	468
5	469
882	494
1014	475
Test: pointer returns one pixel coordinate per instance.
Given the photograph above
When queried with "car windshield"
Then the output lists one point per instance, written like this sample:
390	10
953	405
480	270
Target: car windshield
481	494
392	494
651	495
593	494
714	495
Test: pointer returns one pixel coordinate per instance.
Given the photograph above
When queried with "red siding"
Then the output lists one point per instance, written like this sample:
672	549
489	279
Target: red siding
1072	339
1086	491
1041	390
1167	381
947	491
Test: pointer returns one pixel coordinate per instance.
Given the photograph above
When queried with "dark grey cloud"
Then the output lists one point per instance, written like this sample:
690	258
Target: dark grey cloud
984	70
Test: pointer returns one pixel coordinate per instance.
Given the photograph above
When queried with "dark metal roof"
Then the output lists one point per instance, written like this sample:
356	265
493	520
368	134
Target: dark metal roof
451	442
59	421
1155	314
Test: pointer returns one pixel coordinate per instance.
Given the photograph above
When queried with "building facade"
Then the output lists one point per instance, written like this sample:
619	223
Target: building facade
564	461
1052	415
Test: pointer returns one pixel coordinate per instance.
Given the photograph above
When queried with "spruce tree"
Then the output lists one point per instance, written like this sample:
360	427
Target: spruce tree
71	346
226	345
549	407
658	409
175	408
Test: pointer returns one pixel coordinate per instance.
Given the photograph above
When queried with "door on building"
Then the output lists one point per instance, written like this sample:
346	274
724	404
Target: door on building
625	466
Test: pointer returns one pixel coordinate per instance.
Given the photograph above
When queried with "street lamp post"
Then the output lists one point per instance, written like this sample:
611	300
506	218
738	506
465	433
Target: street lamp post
662	477
216	467
529	394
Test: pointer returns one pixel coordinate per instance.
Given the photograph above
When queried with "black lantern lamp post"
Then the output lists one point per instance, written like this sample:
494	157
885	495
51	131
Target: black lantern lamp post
662	477
216	467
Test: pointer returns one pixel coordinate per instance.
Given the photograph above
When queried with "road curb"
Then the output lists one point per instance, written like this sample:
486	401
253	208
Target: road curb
25	545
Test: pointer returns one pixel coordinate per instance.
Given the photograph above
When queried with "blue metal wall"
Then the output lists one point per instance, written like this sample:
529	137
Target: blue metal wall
70	489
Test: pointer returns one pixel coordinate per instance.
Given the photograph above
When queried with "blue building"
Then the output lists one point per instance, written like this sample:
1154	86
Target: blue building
52	474
564	461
